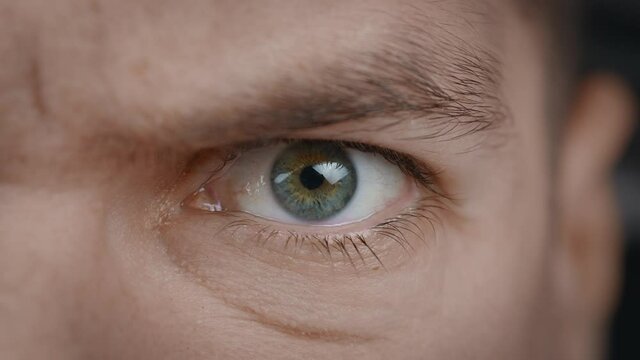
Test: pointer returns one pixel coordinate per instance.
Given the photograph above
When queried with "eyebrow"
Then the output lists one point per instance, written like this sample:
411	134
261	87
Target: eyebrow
416	72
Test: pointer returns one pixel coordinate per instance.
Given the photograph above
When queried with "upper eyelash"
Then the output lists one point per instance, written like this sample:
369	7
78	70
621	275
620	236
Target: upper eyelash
419	171
422	173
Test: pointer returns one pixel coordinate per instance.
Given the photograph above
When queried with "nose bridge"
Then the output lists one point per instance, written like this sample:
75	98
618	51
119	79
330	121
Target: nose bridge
49	266
36	316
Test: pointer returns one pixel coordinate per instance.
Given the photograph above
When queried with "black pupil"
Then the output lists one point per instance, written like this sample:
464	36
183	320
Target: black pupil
310	178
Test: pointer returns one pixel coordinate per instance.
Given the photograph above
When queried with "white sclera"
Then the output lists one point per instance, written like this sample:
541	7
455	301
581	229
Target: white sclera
379	183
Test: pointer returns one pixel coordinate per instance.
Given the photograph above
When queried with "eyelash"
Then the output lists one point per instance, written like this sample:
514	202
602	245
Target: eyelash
422	173
354	247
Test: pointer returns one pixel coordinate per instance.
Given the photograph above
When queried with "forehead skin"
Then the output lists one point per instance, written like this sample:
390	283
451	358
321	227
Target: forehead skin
138	68
82	78
126	60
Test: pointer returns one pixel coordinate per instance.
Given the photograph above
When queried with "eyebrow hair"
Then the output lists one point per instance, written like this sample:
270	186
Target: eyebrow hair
416	72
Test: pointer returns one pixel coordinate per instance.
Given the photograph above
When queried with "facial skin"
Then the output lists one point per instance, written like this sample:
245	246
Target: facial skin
112	113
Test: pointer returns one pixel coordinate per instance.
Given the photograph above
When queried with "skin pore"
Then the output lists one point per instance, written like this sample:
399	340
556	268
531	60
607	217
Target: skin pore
112	113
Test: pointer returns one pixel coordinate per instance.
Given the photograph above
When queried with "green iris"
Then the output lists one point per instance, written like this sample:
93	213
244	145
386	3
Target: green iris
313	180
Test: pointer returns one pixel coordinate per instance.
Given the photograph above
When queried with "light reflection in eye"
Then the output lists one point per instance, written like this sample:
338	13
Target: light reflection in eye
319	183
331	171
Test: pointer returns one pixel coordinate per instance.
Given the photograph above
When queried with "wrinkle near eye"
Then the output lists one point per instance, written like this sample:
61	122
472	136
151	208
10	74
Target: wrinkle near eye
300	296
306	332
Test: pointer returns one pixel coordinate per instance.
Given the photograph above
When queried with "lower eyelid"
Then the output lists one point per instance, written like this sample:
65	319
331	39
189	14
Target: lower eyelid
365	248
287	290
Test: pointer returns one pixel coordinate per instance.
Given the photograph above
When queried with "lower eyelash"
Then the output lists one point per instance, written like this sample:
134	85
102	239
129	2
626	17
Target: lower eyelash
355	248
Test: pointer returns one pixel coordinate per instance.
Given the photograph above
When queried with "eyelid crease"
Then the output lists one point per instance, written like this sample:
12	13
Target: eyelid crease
304	332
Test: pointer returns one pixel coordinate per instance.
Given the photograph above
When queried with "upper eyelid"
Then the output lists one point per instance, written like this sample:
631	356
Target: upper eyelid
212	162
419	170
423	173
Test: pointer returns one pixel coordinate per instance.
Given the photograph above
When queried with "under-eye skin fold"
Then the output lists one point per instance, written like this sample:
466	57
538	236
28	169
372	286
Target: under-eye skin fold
326	201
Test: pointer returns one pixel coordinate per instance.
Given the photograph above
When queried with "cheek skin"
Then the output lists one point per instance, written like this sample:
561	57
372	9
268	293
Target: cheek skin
71	289
50	263
103	286
107	287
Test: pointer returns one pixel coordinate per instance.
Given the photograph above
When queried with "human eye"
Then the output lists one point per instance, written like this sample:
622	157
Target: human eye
314	183
328	201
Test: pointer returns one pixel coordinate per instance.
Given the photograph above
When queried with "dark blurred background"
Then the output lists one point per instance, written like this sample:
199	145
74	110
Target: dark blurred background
612	30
